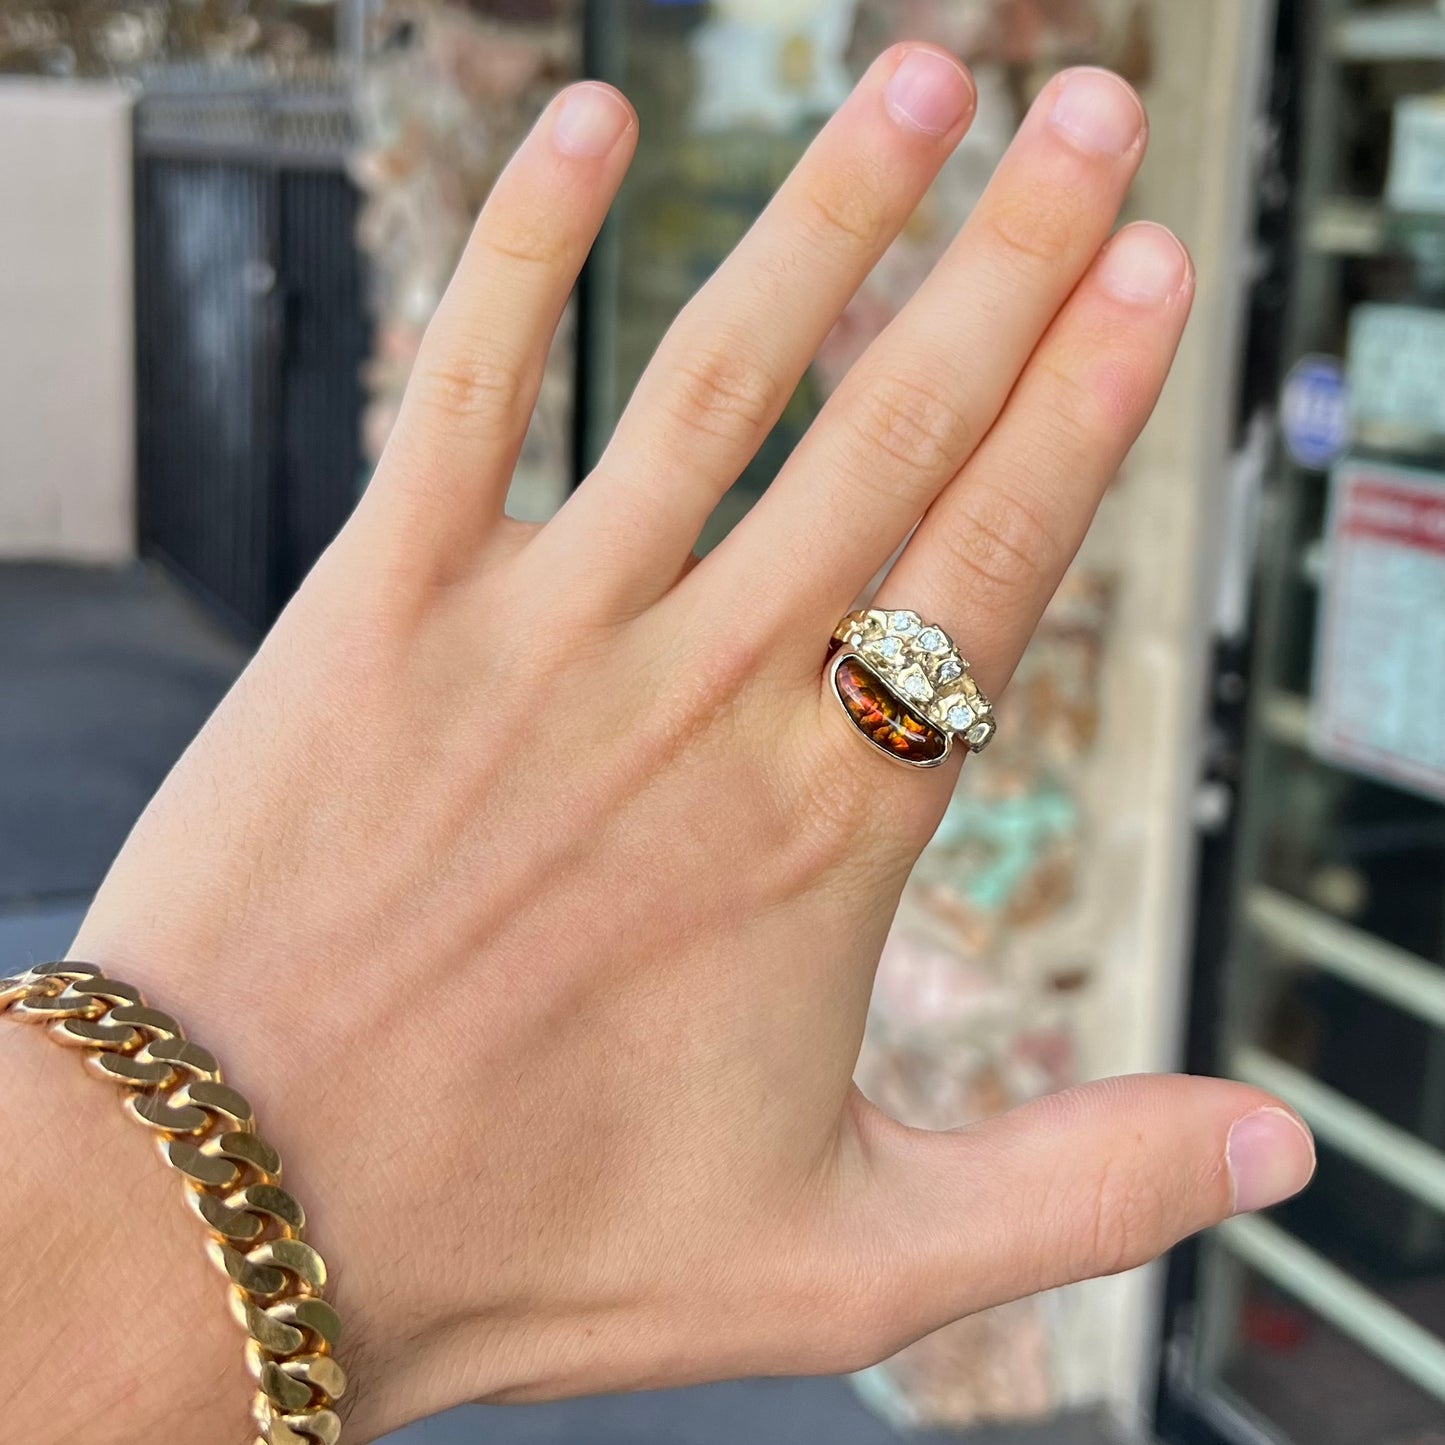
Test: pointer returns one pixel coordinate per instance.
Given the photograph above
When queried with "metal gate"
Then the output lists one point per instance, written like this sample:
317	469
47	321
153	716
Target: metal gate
251	332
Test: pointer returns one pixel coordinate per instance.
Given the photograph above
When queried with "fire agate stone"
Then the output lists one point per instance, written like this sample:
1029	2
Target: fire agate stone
895	728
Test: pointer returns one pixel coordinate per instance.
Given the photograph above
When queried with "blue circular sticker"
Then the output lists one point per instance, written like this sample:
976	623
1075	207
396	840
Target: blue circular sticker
1314	411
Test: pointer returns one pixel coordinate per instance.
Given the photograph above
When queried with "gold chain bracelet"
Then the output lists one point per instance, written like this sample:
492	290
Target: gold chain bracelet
207	1135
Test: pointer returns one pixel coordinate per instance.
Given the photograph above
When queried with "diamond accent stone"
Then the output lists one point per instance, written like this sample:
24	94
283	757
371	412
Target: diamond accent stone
959	717
890	647
979	733
917	687
902	622
932	640
855	639
950	671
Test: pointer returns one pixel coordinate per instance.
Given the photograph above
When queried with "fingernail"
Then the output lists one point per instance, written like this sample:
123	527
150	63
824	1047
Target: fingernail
1144	262
592	120
1271	1157
1098	111
928	92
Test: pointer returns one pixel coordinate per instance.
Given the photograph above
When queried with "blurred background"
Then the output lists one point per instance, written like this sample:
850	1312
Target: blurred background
1212	833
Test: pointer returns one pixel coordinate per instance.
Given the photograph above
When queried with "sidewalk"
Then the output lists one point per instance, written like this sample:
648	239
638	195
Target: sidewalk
104	678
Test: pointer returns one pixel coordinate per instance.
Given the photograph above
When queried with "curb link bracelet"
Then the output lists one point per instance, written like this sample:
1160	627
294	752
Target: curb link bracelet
207	1134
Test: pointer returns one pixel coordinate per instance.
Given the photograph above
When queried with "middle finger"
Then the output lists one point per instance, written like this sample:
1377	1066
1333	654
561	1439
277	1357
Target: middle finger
921	399
731	360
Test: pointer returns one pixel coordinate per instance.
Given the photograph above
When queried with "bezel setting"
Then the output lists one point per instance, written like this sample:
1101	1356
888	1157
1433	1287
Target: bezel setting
919	664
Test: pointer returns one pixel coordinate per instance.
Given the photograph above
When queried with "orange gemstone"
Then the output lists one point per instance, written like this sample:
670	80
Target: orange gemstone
882	717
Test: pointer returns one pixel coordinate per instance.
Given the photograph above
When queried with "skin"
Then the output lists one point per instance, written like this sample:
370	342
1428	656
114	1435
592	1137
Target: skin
531	883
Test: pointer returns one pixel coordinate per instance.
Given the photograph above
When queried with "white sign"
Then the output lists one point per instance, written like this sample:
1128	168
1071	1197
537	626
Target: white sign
1396	365
1379	682
1417	155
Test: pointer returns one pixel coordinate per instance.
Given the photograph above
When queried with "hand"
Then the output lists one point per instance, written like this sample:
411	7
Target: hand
531	881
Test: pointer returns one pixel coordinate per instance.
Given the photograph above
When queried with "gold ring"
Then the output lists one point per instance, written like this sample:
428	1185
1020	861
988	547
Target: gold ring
906	687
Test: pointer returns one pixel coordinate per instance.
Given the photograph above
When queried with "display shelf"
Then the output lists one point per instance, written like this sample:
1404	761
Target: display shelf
1395	974
1409	443
1285	718
1351	226
1409	32
1386	1151
1339	1298
1361	259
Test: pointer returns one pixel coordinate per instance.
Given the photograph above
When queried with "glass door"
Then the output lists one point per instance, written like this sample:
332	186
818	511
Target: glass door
1323	1323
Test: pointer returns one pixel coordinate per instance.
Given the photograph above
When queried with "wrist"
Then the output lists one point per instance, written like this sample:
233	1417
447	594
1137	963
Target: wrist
415	1339
109	1308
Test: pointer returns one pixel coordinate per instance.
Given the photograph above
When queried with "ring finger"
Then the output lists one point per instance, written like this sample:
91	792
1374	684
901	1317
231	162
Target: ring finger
911	411
992	549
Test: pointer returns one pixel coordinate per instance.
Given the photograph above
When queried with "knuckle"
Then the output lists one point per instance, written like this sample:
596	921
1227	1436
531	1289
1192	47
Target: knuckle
998	543
699	695
845	212
1080	415
913	421
723	392
1036	228
530	246
1122	1224
471	387
1112	395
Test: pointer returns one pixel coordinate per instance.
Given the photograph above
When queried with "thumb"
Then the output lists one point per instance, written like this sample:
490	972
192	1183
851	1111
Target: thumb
1084	1183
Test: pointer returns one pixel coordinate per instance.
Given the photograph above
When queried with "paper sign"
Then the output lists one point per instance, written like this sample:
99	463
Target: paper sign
1396	365
1417	155
1379	683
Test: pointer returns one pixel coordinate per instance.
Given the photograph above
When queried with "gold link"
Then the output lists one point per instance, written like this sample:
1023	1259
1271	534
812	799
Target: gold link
235	1226
203	1170
21	986
295	1256
282	1390
69	971
208	1137
270	1199
275	1336
216	1098
323	1426
43	1007
95	1034
152	1020
256	1357
155	1113
260	1281
109	989
246	1148
127	1069
321	1372
185	1055
313	1314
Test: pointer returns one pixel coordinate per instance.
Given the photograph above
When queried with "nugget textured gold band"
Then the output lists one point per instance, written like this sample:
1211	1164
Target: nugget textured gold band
207	1134
906	686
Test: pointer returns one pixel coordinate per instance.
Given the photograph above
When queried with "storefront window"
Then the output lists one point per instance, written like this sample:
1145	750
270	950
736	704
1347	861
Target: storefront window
1324	1324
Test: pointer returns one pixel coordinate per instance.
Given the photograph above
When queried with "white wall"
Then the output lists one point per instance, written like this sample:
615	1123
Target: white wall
66	350
1167	518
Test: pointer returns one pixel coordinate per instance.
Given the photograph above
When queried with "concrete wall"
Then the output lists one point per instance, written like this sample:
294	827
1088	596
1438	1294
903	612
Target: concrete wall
67	378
